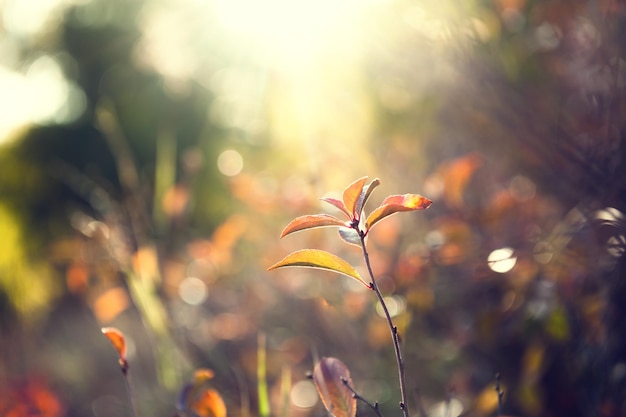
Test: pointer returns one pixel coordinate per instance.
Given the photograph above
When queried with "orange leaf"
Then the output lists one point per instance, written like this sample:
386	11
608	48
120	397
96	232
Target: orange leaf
201	375
394	204
117	340
329	376
311	221
351	196
209	404
315	258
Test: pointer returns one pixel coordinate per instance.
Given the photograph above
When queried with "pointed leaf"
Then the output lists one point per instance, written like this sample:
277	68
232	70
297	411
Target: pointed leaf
311	221
315	258
351	196
350	236
116	338
338	204
329	376
394	204
209	404
365	194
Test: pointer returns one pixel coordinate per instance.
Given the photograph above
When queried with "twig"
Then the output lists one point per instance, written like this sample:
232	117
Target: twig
129	387
394	330
358	396
500	394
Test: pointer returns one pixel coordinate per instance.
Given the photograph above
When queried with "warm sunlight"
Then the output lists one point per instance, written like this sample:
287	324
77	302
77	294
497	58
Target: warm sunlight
290	30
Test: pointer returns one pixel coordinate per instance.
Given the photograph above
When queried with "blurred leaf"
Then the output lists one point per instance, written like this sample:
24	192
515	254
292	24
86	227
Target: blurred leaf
189	390
456	175
117	339
209	404
202	375
311	221
351	196
108	305
338	204
285	390
396	203
534	359
32	398
183	396
329	376
486	401
365	195
261	372
557	324
350	236
315	258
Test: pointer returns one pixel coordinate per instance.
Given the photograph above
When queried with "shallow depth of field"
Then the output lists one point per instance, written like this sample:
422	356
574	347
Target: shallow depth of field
152	151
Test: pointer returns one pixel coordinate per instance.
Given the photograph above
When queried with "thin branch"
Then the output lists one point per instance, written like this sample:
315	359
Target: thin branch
359	397
129	387
394	330
500	394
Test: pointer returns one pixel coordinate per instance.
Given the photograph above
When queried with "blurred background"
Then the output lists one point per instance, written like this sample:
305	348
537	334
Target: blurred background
151	151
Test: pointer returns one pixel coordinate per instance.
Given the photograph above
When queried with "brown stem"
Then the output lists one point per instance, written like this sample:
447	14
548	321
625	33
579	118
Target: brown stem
129	387
394	330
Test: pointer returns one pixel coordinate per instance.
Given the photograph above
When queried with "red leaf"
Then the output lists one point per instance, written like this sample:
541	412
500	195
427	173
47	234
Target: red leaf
329	376
394	204
351	196
311	221
338	204
315	258
117	340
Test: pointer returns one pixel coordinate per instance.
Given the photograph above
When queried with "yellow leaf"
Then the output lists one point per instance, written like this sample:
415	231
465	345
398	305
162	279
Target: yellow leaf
315	258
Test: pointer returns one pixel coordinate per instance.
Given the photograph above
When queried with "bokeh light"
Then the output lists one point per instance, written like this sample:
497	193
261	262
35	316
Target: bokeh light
230	163
395	306
450	408
303	394
193	290
501	260
41	94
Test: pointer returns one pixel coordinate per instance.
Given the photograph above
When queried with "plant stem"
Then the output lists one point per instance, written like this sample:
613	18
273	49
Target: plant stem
394	330
500	394
359	397
129	387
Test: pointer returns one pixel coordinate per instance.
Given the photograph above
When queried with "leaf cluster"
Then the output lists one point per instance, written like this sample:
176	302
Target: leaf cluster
353	231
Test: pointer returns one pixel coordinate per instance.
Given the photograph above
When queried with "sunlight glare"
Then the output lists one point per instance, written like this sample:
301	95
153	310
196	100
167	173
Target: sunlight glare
41	95
287	28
